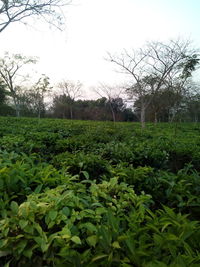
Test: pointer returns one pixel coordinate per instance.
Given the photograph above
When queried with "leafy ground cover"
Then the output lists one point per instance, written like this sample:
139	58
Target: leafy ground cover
81	193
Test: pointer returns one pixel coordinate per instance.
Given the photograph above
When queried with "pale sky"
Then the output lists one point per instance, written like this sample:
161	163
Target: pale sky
95	27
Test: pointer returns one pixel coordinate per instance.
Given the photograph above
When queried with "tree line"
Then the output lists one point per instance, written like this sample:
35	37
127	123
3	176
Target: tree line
162	92
40	100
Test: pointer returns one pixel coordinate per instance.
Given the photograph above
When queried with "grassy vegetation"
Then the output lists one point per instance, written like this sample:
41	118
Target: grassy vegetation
81	193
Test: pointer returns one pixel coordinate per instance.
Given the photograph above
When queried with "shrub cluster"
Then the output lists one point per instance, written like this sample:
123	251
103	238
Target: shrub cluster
98	194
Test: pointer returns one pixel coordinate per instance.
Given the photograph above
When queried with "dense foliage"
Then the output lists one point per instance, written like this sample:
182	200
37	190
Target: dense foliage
77	193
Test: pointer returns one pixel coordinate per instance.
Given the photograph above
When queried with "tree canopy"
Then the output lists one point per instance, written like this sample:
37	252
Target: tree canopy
19	10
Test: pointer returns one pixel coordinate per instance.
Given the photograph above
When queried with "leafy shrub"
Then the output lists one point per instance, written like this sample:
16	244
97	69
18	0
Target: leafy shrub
117	152
59	208
20	175
180	191
183	154
150	154
85	165
73	144
64	224
12	143
134	176
106	224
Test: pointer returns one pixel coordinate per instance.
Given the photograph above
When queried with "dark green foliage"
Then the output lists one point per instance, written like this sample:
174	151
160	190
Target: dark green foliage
86	165
65	106
78	193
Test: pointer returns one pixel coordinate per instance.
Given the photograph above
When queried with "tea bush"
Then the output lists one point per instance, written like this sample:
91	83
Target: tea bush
21	175
81	193
106	224
85	165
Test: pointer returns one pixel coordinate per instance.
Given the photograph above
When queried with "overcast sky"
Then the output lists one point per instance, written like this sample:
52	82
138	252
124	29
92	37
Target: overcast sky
95	27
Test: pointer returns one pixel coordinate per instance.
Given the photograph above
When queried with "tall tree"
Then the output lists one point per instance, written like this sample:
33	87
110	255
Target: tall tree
10	67
60	106
37	95
154	66
72	90
19	10
112	94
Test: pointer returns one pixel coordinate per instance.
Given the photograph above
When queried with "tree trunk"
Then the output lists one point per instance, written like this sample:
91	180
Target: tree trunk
17	113
39	113
168	116
113	113
172	117
155	118
142	116
17	109
71	113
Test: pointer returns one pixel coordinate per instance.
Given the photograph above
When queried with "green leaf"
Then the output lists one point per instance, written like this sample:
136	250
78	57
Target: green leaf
28	253
23	223
130	246
92	240
66	211
14	207
116	244
100	211
86	174
38	228
165	226
29	229
21	246
81	164
65	231
41	242
3	243
53	214
51	224
76	240
113	181
99	257
172	237
89	226
38	188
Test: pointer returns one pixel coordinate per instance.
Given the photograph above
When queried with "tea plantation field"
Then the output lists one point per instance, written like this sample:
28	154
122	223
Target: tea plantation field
80	193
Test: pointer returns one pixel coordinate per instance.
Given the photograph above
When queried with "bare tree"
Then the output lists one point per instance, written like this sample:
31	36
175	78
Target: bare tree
111	93
19	10
133	64
73	91
153	67
10	67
